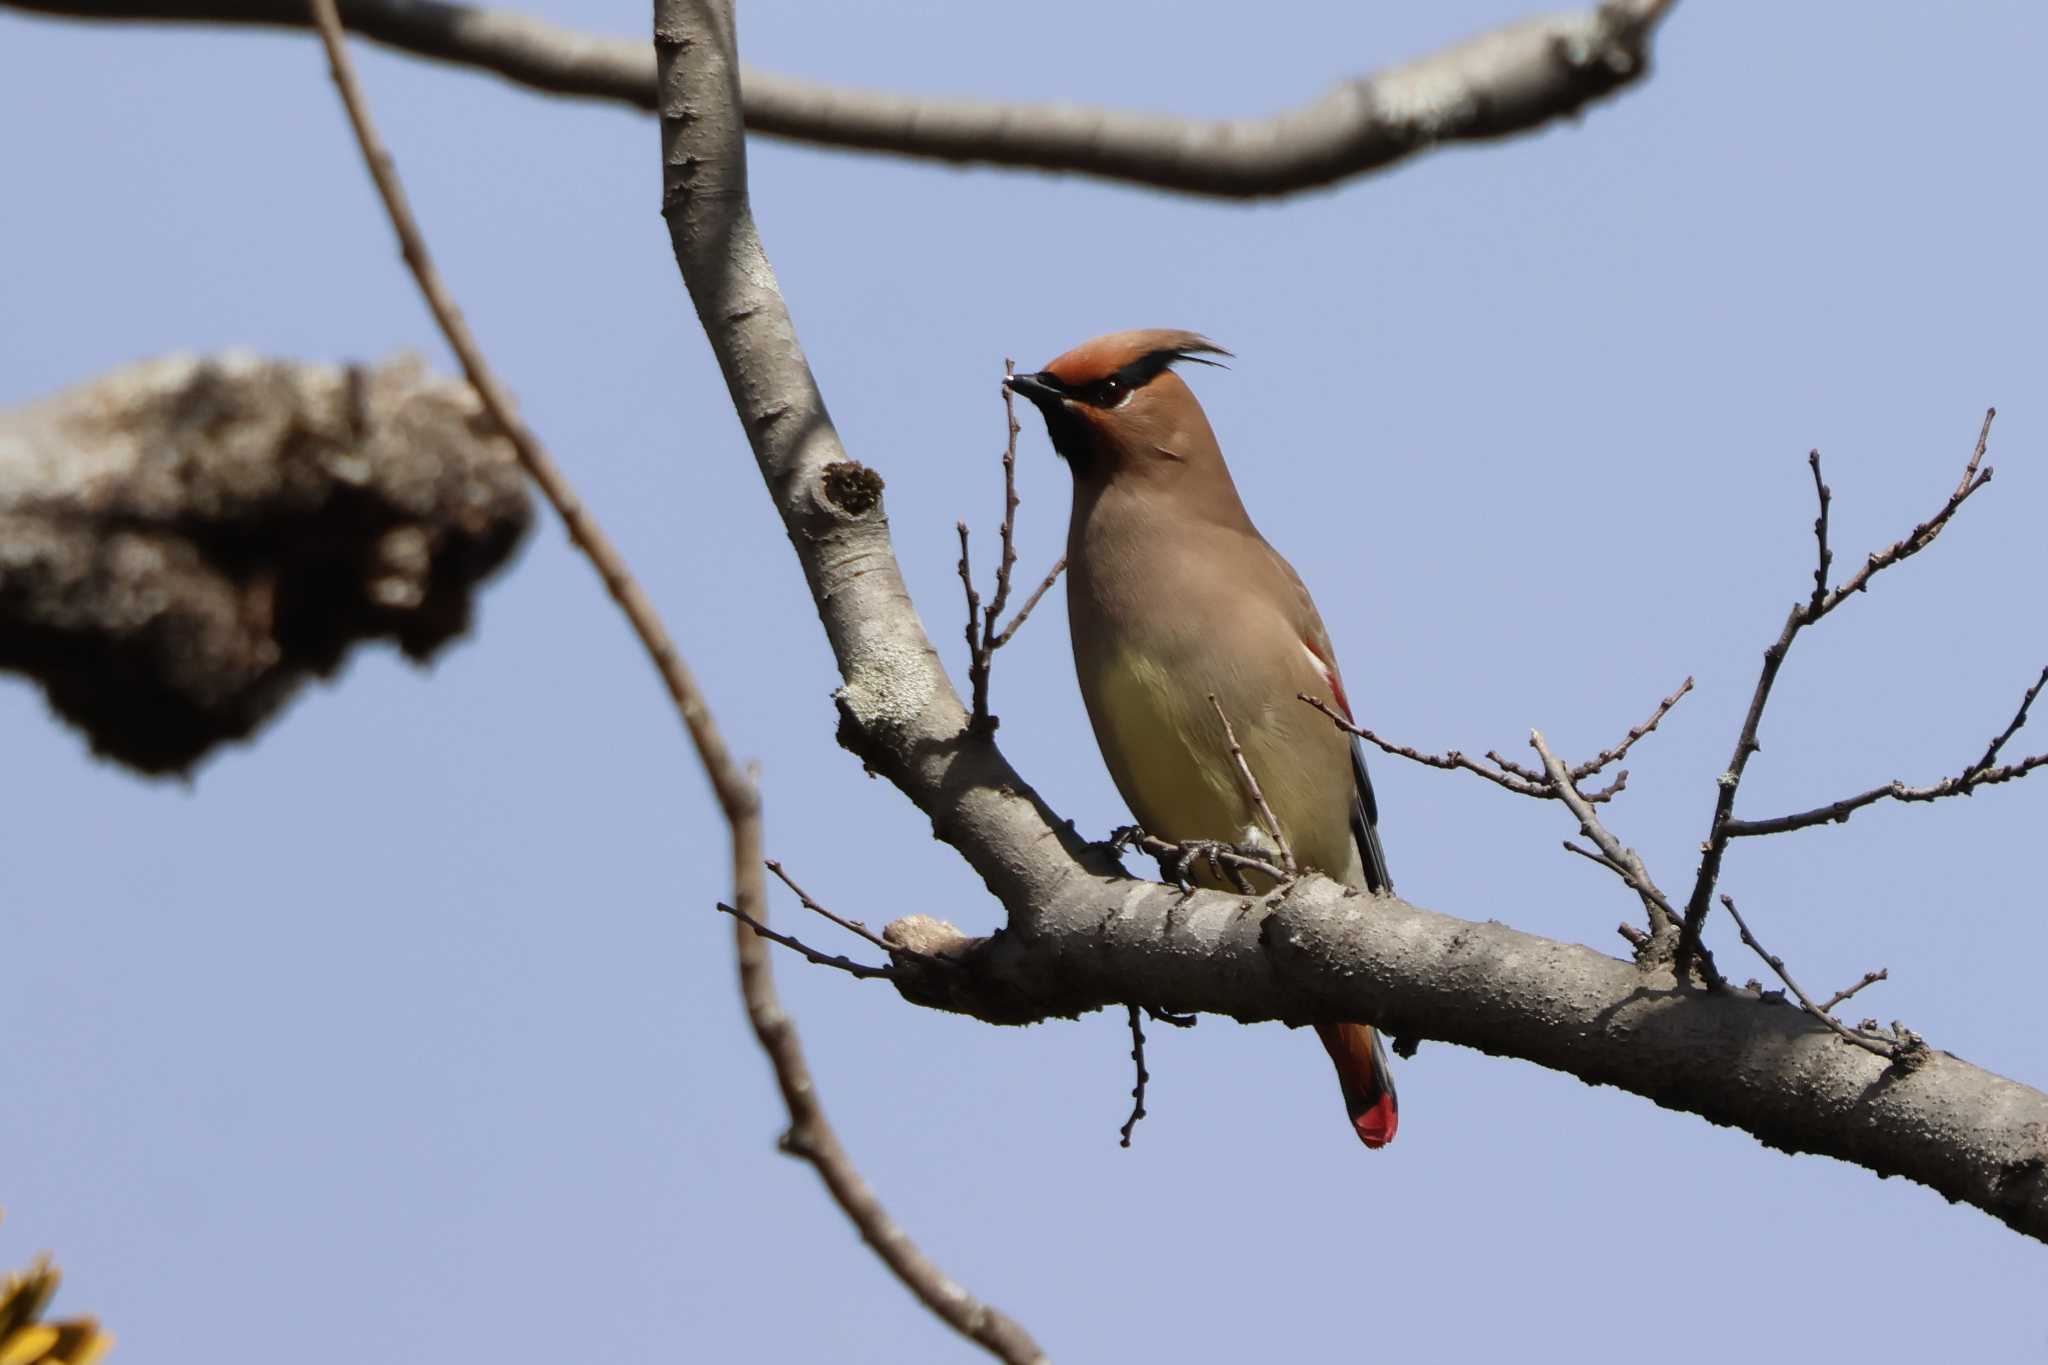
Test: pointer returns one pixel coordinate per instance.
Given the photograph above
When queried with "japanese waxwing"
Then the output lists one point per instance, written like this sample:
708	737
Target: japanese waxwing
1175	597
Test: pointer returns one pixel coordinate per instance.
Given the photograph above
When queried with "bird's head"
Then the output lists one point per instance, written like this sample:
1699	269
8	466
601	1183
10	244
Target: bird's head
1115	408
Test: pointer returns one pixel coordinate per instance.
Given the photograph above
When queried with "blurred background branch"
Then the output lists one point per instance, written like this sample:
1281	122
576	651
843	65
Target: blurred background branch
186	541
1501	82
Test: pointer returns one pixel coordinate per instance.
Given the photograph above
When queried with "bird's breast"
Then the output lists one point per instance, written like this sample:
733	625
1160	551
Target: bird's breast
1163	745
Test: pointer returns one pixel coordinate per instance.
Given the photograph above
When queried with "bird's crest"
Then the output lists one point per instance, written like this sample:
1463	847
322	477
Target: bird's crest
1134	357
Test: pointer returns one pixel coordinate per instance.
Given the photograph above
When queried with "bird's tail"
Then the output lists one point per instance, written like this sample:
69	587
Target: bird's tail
1368	1080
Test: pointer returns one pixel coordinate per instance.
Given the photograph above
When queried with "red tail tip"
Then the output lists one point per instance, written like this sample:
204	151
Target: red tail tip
1376	1125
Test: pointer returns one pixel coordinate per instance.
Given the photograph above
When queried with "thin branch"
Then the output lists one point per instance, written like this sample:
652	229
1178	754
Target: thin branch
1252	789
835	960
1836	811
1522	784
1881	1048
1600	796
1921	536
1509	80
1007	562
1592	856
705	204
977	652
852	926
2019	718
1826	557
1505	772
983	637
1529	775
1030	603
1616	857
1802	615
1620	751
1982	773
1138	1090
1869	979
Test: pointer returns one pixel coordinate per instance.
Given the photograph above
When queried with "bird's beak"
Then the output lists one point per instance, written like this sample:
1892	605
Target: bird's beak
1035	388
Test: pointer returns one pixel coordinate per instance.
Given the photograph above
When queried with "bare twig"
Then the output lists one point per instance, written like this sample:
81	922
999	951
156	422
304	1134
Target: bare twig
1530	775
1138	1090
1030	603
1008	560
1613	855
984	637
1826	556
853	926
1921	536
1512	79
1878	1046
1520	783
1835	811
1620	751
1802	615
2019	718
1869	979
977	652
1520	780
1252	789
797	945
1600	796
1601	858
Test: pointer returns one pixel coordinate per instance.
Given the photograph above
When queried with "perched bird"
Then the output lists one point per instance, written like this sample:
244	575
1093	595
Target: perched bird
1174	598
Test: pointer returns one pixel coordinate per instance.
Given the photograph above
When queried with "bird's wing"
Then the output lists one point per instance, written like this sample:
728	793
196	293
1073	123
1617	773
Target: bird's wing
1365	808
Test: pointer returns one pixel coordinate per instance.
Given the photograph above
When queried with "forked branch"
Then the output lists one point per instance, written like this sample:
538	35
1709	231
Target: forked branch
1777	964
1506	773
1817	605
985	634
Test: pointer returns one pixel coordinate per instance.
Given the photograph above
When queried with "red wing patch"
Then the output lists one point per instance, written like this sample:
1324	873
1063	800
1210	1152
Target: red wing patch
1330	680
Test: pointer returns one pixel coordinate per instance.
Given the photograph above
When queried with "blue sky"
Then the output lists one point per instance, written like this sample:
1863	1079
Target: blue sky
409	1032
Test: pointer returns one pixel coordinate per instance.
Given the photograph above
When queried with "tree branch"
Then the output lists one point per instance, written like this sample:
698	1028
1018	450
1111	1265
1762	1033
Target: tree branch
1138	1089
1510	80
860	971
1613	855
1507	773
1877	1046
1735	1057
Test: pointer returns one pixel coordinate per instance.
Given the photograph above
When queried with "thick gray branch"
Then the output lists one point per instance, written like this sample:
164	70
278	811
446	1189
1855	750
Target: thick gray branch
1506	81
185	541
1752	1062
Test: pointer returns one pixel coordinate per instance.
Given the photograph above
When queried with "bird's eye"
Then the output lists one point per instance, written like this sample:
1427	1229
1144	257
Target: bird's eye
1109	391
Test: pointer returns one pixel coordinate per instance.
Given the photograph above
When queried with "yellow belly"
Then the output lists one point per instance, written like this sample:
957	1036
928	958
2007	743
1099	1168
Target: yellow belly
1166	750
